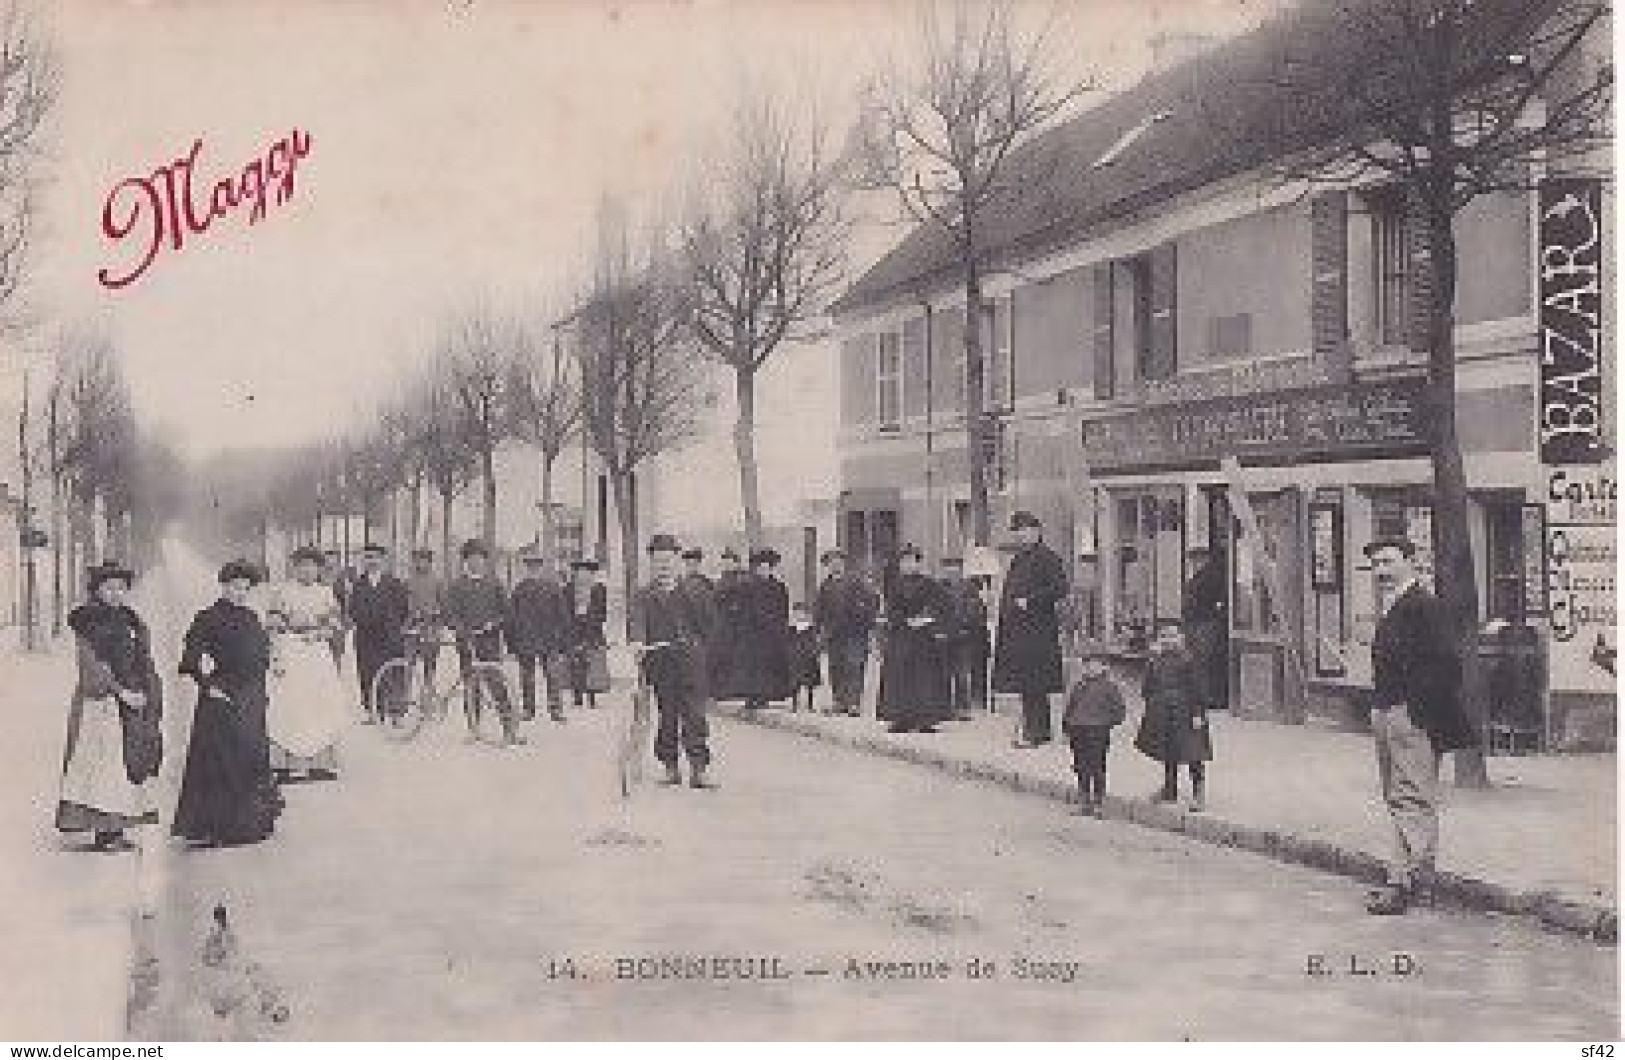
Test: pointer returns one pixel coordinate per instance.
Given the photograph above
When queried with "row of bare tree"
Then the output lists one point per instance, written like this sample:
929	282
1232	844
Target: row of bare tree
96	483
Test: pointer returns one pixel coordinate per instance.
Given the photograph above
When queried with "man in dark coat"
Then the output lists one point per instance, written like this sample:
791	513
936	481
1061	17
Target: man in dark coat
1207	627
761	650
586	607
1027	655
1416	716
376	607
702	592
538	617
665	613
915	690
968	642
844	615
731	610
477	612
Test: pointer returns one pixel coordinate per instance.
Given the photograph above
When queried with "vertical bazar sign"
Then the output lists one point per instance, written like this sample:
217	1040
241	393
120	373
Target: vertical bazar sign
1577	460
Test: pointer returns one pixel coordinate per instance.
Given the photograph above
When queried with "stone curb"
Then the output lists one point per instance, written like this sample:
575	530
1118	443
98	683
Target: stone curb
1587	920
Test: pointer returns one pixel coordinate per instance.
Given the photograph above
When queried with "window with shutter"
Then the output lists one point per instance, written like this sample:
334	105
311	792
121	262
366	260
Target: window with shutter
1329	306
1104	371
915	398
889	380
1163	276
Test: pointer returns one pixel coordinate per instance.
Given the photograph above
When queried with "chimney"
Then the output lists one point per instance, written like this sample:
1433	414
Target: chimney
1170	47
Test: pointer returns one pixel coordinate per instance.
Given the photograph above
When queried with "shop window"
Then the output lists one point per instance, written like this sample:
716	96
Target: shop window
1391	266
889	380
1400	516
1148	570
1262	564
1326	566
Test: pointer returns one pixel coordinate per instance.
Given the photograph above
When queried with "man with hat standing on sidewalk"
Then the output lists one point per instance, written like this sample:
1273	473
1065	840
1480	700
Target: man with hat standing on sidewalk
1027	654
967	640
703	592
665	614
586	611
537	620
1416	716
762	646
845	615
376	610
477	610
730	601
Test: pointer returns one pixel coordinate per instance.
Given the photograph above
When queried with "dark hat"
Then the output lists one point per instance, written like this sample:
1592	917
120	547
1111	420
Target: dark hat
764	555
664	543
951	562
1403	545
240	570
533	558
304	554
730	553
108	570
584	564
423	553
473	547
1022	519
831	553
911	549
373	548
332	552
693	553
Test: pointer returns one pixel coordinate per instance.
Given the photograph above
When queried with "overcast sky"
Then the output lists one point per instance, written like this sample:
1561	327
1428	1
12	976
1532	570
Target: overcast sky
459	150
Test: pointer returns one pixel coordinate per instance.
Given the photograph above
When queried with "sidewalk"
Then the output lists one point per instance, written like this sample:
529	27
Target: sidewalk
66	917
1541	842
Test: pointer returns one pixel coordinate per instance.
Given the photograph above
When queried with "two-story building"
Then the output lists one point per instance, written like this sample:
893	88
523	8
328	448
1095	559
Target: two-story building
1166	302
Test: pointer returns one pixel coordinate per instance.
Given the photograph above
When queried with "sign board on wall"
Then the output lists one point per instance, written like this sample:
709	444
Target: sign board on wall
1580	481
1344	421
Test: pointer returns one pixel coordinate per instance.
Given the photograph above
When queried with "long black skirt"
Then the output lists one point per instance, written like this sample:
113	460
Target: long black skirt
225	797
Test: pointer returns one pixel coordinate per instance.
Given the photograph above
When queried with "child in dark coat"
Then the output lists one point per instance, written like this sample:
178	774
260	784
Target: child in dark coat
1093	707
1174	728
805	674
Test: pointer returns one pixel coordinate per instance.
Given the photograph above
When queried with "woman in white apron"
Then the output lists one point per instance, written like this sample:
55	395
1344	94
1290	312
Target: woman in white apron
113	738
307	697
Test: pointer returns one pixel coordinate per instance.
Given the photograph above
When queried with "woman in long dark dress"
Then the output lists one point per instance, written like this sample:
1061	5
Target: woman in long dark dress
113	718
227	797
762	652
915	688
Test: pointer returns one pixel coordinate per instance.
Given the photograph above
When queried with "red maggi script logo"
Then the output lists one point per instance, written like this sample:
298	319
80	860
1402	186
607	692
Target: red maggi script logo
148	211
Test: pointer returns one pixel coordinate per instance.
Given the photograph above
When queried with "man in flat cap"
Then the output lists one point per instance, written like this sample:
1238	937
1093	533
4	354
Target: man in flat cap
1416	716
1027	653
845	613
664	614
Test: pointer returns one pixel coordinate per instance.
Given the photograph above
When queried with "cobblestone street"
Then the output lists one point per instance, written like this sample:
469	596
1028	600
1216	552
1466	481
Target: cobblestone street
429	892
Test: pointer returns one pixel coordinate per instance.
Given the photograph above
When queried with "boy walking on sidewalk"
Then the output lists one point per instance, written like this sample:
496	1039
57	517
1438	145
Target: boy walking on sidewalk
1093	707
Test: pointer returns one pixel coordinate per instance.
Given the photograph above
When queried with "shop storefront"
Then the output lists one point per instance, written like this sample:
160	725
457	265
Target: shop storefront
1272	541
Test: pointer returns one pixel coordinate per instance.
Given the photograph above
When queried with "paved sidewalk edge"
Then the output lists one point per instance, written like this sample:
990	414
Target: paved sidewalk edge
1588	920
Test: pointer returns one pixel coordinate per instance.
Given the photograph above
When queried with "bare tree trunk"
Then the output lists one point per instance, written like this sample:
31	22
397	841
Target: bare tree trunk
488	476
976	425
414	518
1454	574
547	503
626	514
750	497
446	498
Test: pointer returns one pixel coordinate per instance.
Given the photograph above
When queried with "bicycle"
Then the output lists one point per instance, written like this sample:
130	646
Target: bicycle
410	700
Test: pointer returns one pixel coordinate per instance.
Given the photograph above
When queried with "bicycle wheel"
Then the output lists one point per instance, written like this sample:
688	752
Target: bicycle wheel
399	691
482	704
